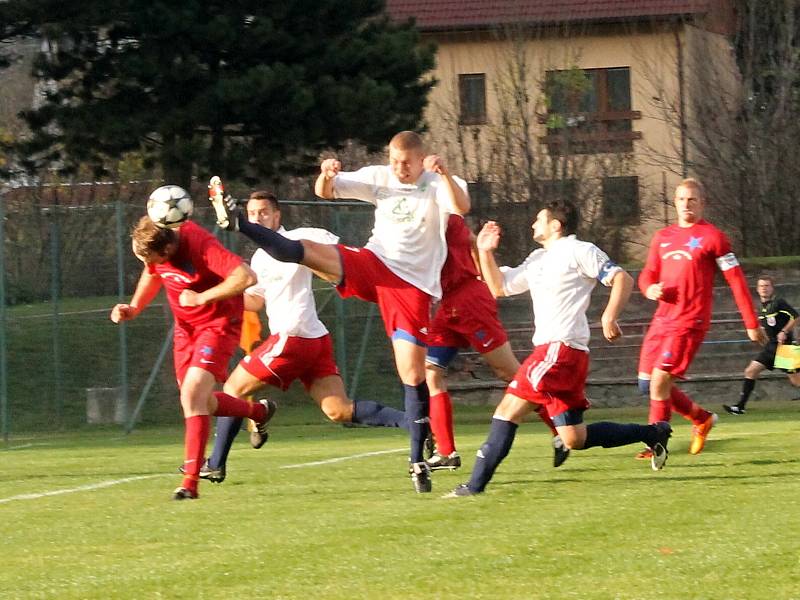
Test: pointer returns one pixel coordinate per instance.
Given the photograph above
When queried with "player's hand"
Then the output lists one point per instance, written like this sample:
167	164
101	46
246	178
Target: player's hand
758	335
435	164
655	291
488	237
190	298
123	312
611	329
330	167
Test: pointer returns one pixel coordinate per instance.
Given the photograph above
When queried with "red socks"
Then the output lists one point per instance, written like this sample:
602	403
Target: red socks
194	445
229	406
441	418
684	406
660	410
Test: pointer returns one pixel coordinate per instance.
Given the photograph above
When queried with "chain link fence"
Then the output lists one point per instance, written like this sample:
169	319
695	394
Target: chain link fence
67	261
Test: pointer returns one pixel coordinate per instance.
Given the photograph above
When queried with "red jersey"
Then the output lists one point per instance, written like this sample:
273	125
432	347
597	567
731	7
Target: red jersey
200	263
459	265
685	259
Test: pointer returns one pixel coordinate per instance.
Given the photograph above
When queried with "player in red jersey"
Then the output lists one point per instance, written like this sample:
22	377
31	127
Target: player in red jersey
204	284
679	275
466	317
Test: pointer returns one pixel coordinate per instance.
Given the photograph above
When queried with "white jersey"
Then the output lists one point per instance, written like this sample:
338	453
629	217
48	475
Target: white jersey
560	280
410	221
286	288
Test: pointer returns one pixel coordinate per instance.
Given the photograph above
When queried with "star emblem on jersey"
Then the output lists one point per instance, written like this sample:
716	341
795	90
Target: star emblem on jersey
694	243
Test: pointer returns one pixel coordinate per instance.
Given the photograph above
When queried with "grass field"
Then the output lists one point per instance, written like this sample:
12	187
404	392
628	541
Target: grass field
724	524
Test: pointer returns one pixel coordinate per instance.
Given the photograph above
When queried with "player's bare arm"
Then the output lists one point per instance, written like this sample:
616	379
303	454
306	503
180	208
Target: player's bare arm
621	288
487	241
254	302
458	197
241	278
328	169
146	289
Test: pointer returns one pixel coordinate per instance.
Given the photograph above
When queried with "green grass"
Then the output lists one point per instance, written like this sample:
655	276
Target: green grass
723	524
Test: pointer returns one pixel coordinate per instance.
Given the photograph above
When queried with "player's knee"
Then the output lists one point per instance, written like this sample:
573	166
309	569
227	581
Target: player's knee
572	438
339	412
644	387
504	374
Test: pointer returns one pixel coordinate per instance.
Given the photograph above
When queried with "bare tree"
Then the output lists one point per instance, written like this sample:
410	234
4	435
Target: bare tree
530	151
739	122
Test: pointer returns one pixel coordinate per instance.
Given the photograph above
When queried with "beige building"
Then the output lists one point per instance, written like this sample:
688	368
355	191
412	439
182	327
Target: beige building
592	99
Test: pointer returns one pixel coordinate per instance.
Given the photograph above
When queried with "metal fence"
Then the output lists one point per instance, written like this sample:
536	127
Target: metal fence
64	364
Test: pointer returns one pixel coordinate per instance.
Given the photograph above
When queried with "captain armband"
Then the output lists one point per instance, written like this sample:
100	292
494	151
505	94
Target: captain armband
727	262
607	272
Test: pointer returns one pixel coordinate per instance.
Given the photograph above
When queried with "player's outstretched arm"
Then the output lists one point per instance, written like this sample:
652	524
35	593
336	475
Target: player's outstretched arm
146	289
241	278
459	199
323	186
487	241
621	288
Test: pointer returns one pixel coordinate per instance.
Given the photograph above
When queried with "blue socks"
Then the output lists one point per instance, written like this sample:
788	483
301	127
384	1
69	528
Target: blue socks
227	430
492	453
367	412
417	403
611	435
273	243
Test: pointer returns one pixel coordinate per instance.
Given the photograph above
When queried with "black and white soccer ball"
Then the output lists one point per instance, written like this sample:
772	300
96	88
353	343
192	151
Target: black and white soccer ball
169	206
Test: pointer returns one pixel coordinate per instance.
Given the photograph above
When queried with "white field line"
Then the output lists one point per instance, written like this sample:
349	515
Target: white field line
23	446
343	458
69	313
81	488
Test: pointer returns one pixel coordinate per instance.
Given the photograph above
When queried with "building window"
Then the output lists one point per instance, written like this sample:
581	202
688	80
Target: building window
480	194
621	200
589	111
555	190
472	98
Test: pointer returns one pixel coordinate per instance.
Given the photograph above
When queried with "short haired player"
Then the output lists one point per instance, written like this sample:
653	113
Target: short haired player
298	347
679	276
560	278
398	268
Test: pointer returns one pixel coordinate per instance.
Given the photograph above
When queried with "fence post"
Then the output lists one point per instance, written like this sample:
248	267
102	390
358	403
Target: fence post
3	355
150	379
123	326
55	295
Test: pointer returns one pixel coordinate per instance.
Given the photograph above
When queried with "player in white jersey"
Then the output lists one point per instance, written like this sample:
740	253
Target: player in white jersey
560	278
299	345
398	269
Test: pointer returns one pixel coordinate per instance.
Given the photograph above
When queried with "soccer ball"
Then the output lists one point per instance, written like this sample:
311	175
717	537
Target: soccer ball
169	206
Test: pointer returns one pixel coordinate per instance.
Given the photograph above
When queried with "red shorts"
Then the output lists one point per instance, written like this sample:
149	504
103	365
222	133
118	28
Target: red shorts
402	305
554	375
209	348
283	358
467	316
669	348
